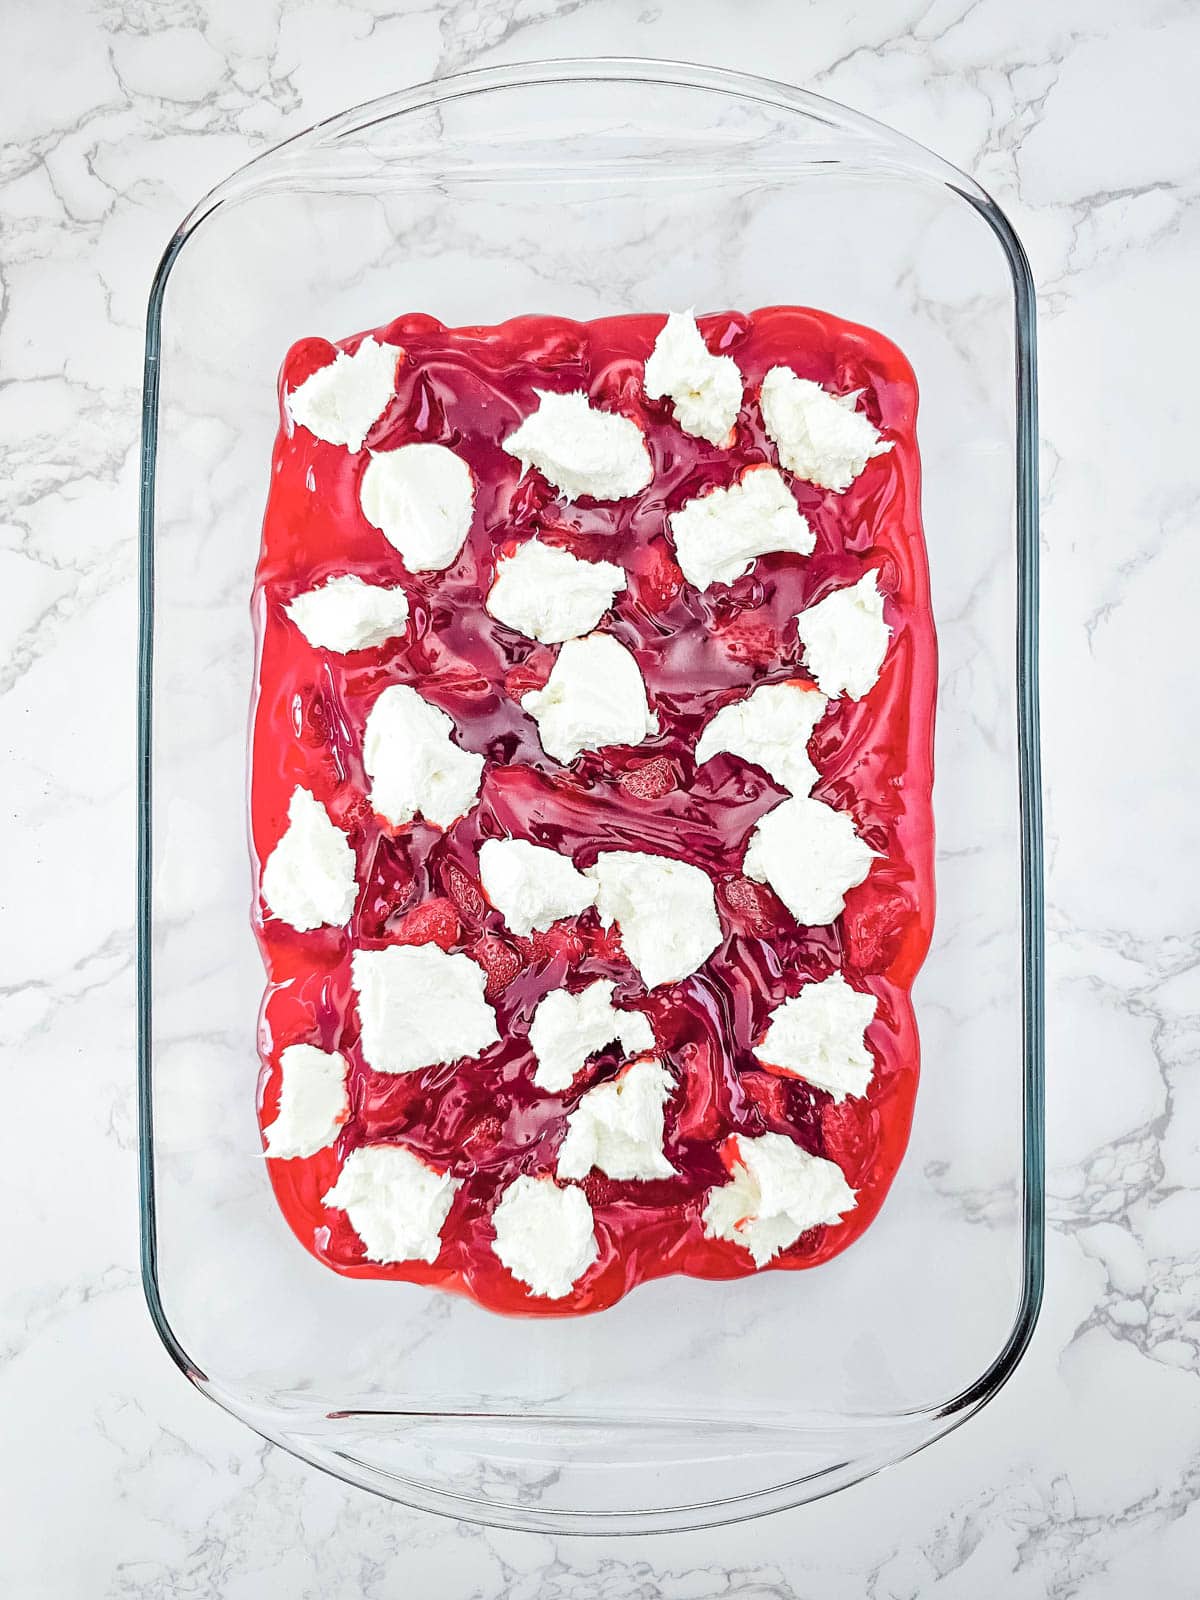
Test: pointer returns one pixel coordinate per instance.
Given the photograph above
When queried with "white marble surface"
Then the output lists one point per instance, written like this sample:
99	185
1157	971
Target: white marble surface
1081	1478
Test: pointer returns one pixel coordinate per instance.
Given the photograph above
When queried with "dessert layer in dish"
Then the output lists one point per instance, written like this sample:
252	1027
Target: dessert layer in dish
591	798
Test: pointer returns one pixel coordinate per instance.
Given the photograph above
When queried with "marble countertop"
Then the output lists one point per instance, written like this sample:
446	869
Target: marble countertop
1081	1478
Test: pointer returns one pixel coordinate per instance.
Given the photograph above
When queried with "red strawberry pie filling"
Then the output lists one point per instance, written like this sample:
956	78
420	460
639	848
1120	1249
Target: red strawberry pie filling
591	798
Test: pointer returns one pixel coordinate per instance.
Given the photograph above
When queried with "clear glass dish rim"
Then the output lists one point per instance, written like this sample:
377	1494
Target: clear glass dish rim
890	150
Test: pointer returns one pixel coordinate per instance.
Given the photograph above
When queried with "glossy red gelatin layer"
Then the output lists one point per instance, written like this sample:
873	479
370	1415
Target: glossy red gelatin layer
469	388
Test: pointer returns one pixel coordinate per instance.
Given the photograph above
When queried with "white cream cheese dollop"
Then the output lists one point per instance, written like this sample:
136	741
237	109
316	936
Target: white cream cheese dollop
341	402
313	1102
551	595
530	886
706	389
412	760
595	696
421	497
820	1035
345	614
580	449
845	638
810	855
719	535
665	910
545	1235
820	436
420	1006
617	1127
567	1029
396	1202
308	879
776	1192
770	728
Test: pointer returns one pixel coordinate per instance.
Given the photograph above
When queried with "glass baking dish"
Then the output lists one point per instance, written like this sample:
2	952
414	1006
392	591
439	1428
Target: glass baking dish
586	188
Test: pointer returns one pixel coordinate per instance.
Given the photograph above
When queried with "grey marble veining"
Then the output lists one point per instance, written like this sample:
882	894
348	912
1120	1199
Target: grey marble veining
1082	1477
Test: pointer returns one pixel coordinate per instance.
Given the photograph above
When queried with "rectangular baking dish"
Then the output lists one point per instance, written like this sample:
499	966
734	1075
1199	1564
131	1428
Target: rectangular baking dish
587	188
